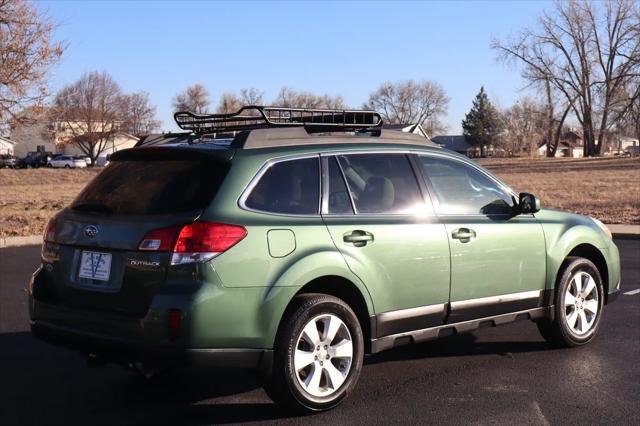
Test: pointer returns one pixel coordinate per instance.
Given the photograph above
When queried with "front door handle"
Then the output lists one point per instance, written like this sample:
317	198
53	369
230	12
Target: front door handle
463	234
358	238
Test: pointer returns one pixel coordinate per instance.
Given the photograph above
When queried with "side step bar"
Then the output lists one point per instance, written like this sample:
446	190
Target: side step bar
426	334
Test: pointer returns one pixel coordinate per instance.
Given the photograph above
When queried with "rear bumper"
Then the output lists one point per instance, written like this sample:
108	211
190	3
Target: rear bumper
219	327
125	351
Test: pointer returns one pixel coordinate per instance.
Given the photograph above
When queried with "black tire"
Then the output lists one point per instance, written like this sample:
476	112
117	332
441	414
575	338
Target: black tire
558	332
66	166
283	386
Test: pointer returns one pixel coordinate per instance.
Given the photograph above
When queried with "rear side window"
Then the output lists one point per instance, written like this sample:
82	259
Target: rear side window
288	187
382	183
150	187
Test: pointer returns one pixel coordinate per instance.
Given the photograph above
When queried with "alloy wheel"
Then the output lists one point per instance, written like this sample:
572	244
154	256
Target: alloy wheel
581	303
323	355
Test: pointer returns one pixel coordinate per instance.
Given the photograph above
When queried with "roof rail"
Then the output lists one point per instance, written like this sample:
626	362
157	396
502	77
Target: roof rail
252	117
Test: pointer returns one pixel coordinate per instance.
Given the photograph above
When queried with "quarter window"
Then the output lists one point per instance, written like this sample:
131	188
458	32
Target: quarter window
462	189
382	183
288	187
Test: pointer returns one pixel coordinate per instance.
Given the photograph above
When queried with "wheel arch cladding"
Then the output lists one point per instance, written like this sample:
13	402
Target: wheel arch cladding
345	290
564	240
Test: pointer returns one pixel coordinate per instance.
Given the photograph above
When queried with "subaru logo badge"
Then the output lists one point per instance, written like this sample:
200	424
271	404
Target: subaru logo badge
90	231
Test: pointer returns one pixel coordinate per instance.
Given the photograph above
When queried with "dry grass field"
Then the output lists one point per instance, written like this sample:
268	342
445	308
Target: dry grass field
606	188
29	197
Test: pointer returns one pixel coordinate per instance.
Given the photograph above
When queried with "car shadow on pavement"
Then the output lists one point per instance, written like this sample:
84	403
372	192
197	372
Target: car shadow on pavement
46	384
43	384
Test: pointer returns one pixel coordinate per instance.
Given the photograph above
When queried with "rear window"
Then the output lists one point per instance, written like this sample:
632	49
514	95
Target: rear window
382	183
145	187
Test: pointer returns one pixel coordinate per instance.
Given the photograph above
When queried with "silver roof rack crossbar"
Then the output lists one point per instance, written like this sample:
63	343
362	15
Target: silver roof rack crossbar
252	117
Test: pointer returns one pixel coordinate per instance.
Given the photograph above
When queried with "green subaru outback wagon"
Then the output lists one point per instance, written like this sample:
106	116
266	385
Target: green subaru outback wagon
296	241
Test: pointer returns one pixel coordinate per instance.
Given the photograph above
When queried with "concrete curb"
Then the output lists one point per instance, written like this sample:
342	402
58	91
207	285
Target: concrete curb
628	231
625	230
20	241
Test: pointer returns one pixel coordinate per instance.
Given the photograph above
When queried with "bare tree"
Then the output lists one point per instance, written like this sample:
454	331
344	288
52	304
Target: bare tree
552	123
252	96
586	54
618	54
290	98
626	110
139	116
230	102
195	99
524	126
27	52
631	114
88	112
30	128
409	102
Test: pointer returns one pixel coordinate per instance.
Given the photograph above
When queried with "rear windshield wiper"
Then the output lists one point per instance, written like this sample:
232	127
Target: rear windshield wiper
92	207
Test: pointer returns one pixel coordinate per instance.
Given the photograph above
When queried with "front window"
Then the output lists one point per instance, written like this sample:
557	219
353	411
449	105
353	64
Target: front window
463	189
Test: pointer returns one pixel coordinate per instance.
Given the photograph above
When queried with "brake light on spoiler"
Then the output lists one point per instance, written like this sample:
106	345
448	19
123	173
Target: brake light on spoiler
194	242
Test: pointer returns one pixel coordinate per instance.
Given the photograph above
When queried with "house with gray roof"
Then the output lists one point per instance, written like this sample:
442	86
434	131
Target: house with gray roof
408	128
457	143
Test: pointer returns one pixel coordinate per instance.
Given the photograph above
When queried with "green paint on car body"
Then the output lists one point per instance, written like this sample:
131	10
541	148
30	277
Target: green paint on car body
238	298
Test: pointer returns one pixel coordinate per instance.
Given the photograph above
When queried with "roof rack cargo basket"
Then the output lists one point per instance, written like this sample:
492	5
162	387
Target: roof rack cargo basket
252	117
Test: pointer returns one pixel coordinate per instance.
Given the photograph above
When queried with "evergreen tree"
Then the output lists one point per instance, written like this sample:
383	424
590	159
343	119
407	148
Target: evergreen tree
481	124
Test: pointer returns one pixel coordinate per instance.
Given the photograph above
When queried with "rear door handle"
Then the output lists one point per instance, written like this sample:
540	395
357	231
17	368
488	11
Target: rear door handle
358	238
463	234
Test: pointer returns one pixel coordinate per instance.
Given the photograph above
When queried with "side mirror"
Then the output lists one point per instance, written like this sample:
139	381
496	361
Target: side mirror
528	203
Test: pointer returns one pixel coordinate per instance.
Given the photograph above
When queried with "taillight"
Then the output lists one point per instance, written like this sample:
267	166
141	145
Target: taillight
194	242
49	250
208	237
50	232
160	239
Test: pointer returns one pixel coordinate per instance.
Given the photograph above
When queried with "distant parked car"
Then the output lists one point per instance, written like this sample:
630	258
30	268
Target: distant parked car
7	160
103	161
34	159
68	162
631	151
53	157
85	158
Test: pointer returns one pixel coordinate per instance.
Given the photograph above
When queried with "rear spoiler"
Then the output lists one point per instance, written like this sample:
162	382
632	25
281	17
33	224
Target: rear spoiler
167	153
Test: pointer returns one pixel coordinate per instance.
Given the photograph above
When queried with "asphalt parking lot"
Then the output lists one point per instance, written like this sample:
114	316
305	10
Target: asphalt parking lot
503	375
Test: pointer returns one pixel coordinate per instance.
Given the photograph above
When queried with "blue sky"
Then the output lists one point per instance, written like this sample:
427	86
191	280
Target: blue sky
337	48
